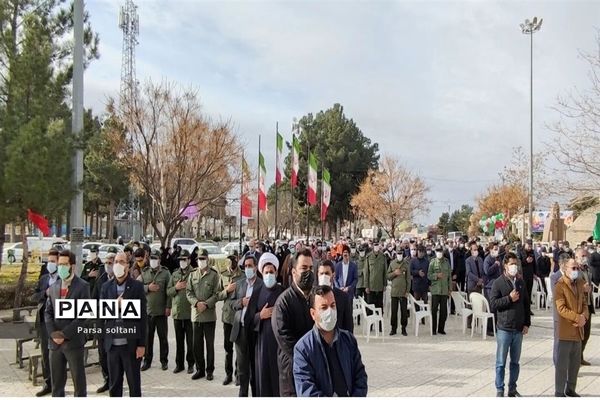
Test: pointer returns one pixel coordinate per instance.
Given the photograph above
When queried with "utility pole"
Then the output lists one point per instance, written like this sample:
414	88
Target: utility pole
77	227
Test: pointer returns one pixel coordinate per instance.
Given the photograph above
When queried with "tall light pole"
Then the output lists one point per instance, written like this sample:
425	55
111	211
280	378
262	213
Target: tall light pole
529	28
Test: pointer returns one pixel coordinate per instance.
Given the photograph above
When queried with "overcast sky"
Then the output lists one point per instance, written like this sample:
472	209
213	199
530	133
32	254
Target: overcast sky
443	85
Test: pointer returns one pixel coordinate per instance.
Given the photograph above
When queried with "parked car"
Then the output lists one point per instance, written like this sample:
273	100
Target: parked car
12	253
185	243
230	247
103	250
216	258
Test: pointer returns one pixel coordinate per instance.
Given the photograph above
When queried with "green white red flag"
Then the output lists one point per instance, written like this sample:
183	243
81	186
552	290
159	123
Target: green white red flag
312	179
326	191
295	160
279	160
262	193
245	198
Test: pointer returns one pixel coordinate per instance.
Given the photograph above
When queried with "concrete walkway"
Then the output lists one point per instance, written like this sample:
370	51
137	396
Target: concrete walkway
452	365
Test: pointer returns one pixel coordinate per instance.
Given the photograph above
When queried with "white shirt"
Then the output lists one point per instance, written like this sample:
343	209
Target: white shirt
345	273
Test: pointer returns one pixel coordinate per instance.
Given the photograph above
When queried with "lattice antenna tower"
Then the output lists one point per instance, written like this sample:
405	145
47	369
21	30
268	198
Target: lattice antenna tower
129	23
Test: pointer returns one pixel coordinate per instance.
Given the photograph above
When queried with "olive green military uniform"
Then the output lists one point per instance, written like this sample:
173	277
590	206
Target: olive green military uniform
360	285
399	274
228	315
204	287
182	318
440	290
90	266
375	278
158	303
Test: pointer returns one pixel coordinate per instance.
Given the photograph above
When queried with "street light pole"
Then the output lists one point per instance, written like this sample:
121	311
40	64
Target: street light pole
529	28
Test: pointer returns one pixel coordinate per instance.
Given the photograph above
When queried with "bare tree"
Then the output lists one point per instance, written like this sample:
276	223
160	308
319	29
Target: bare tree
176	155
391	195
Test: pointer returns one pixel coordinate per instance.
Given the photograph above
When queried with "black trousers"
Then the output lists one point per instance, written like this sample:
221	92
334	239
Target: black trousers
439	303
587	328
43	336
157	323
58	370
244	349
376	298
103	358
360	292
204	332
184	337
121	360
228	346
403	312
529	285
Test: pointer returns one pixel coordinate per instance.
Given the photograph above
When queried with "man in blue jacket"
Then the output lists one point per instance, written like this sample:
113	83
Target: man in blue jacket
346	273
327	361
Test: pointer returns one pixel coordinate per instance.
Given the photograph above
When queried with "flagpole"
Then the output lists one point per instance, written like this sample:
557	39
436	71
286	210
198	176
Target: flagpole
258	195
241	204
277	155
321	212
292	188
307	190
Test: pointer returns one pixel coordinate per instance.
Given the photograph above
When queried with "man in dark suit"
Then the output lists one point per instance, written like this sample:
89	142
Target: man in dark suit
66	340
125	351
40	296
242	332
475	272
325	273
346	274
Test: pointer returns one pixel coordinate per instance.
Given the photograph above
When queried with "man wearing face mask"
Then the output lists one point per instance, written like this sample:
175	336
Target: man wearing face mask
40	296
398	272
106	276
346	274
156	280
265	359
327	361
419	266
182	314
440	276
92	269
242	334
528	266
510	301
570	299
361	264
202	291
291	319
234	276
582	260
389	253
124	352
66	343
375	276
138	264
325	274
475	272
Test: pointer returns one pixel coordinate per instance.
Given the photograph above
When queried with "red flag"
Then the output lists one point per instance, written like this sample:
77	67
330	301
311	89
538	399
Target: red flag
40	221
246	209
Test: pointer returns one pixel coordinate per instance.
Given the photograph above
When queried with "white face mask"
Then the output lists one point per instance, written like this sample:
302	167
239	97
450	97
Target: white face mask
328	319
399	257
513	269
375	249
183	264
51	267
270	280
154	263
93	256
119	270
202	263
324	280
494	253
362	253
439	255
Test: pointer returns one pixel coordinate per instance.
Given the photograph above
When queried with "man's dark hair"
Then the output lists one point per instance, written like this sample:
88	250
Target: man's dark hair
139	252
250	257
345	248
304	252
510	256
318	291
327	263
54	252
68	253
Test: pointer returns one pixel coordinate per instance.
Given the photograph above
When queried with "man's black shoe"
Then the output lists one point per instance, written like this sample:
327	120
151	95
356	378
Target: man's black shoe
102	388
190	370
228	380
198	375
499	394
145	366
165	366
177	370
404	332
392	333
490	333
441	332
209	376
45	390
570	393
531	313
237	381
514	394
584	362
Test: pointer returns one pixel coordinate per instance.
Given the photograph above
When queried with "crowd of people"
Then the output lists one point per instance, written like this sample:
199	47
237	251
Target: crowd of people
287	309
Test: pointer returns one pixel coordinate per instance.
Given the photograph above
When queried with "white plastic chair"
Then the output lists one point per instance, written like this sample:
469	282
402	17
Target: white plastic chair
549	296
596	294
481	313
374	320
356	310
537	293
387	299
462	308
424	312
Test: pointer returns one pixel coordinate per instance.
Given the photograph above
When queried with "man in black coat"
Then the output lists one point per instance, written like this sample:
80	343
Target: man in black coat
66	338
528	266
125	351
343	302
40	296
291	319
594	264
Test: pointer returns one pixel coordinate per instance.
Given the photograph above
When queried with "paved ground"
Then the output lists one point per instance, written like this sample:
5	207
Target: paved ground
452	365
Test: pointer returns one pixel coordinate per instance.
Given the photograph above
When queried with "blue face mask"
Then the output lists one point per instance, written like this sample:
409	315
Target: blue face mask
574	275
270	280
250	273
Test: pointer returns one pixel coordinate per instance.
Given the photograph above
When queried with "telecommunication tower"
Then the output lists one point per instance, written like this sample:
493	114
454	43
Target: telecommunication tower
129	23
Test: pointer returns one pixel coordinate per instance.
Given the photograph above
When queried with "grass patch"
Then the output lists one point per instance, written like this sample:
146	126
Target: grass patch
9	274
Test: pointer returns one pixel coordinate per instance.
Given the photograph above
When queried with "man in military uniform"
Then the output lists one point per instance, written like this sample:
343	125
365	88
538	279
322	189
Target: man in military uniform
361	261
202	292
156	280
182	313
233	275
399	273
92	269
375	276
440	275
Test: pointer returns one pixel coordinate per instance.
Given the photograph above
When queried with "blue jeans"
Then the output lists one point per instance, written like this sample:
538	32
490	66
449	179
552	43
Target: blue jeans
508	341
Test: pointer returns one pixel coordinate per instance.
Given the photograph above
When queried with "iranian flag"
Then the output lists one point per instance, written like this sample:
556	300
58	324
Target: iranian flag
312	179
295	160
262	193
279	160
246	202
326	189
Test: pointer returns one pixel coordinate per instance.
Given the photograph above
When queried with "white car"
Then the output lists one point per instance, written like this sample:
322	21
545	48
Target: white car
230	247
13	253
185	244
103	250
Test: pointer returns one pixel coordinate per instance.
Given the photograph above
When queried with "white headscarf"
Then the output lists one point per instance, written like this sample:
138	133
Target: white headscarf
268	258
